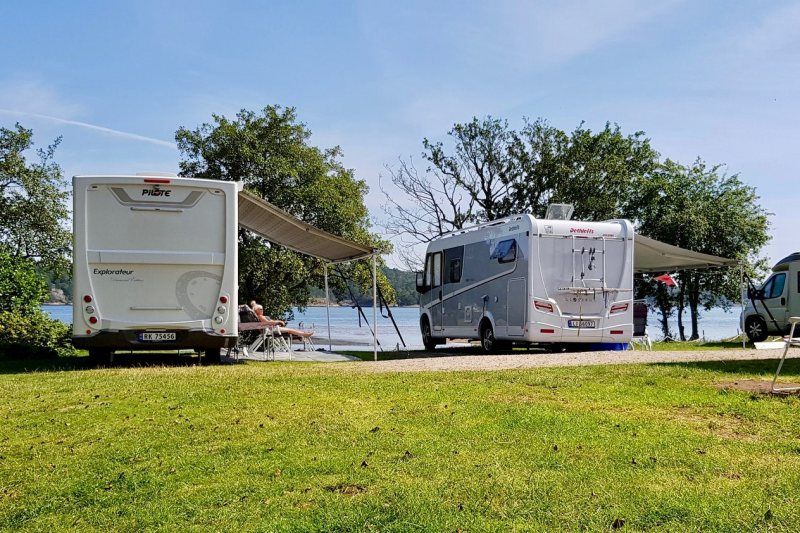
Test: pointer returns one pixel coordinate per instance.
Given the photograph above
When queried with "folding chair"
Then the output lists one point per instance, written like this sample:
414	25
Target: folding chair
790	341
640	334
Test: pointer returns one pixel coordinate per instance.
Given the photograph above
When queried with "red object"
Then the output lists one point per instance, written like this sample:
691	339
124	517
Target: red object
619	308
547	330
88	332
223	299
87	298
617	332
93	320
543	306
156	180
222	331
666	279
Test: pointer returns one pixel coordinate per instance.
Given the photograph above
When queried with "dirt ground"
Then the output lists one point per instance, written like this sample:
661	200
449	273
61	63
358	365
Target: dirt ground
441	361
760	386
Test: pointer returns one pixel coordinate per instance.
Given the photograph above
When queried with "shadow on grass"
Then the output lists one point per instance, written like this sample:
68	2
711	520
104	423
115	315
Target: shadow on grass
9	365
764	367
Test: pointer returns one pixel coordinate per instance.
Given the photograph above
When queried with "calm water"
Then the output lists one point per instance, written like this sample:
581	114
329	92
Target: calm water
714	325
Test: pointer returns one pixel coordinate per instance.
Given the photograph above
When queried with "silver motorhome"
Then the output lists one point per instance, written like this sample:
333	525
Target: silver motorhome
155	263
527	280
770	306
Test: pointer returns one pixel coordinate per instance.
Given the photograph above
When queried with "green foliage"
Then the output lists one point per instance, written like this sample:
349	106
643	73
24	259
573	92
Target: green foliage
404	284
33	334
700	208
33	195
269	152
21	287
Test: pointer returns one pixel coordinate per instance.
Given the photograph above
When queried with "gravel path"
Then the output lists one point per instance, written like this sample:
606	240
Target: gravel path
532	360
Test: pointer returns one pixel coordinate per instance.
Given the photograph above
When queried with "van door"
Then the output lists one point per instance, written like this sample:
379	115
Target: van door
433	280
775	298
517	298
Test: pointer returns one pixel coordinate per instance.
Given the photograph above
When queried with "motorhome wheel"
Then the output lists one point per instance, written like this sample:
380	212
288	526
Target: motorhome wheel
756	329
488	342
427	336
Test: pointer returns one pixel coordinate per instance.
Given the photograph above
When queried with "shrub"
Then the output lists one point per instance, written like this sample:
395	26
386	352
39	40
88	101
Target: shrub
21	287
33	334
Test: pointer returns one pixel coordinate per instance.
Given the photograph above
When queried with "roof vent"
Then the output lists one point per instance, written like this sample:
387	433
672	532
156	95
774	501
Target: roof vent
559	211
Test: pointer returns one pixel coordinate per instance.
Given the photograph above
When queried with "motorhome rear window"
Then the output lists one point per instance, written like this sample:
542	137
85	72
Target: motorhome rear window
505	251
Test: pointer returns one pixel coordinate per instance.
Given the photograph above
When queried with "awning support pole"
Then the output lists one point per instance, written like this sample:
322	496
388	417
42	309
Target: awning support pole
375	307
742	290
327	306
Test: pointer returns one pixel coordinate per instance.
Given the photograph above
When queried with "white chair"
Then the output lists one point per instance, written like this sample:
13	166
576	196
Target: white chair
790	341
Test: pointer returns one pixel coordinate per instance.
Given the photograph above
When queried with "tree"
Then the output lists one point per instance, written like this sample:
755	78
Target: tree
700	208
33	196
269	152
22	289
491	171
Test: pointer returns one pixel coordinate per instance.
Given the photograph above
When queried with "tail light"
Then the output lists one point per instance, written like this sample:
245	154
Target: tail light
618	308
157	180
547	330
223	299
617	332
87	298
543	306
93	320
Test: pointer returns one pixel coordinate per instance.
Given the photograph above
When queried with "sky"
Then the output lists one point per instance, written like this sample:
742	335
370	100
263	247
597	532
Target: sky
716	79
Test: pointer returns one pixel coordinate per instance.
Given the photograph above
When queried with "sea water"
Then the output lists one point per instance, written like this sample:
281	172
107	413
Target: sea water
715	324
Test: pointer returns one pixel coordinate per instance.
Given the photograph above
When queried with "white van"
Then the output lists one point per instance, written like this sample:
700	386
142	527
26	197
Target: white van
527	280
155	264
778	296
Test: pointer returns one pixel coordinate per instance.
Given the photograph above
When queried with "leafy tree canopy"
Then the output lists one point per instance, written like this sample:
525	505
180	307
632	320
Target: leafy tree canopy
270	152
33	195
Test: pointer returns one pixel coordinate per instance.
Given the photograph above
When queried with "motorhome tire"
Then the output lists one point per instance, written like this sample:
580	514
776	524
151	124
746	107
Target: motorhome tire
488	342
212	356
756	329
99	356
427	337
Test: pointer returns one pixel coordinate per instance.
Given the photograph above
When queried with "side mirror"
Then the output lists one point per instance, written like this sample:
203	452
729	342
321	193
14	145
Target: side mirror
421	282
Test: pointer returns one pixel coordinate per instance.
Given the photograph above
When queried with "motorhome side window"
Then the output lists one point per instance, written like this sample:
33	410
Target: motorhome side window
773	288
453	260
505	251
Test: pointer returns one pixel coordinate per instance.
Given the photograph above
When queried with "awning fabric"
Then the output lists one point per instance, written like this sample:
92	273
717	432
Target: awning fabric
278	226
650	255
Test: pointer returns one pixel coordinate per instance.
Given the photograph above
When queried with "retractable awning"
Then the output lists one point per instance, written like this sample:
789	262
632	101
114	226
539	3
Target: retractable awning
278	226
650	255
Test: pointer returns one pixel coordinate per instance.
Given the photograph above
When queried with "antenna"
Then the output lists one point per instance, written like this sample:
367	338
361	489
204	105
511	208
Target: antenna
559	211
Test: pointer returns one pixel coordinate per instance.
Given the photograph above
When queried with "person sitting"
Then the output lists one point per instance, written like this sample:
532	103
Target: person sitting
282	329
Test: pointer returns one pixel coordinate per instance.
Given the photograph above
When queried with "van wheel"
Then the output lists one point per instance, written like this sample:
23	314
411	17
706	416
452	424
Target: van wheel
212	356
99	357
756	329
488	342
427	337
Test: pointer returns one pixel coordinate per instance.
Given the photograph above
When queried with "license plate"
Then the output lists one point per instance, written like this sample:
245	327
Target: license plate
582	323
157	337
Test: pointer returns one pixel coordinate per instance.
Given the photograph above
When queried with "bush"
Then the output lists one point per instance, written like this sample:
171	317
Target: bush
33	334
21	287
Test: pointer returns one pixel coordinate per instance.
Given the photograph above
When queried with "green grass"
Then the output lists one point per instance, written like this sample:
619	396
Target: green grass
293	446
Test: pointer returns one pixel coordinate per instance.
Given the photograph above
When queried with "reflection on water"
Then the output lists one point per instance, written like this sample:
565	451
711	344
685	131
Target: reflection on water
714	325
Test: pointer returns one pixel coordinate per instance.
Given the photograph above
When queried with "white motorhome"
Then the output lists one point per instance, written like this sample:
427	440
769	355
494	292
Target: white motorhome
770	306
527	280
155	263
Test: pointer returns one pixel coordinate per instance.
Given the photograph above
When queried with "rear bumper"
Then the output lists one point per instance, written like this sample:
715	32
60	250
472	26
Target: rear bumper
129	340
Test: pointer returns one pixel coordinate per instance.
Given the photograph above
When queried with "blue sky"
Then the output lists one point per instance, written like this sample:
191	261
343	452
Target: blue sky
716	79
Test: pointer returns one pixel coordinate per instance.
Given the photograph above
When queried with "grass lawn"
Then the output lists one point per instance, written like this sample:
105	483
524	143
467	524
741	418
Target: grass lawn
297	446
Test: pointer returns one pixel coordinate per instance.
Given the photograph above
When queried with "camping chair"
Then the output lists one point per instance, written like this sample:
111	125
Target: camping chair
259	341
640	334
790	341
